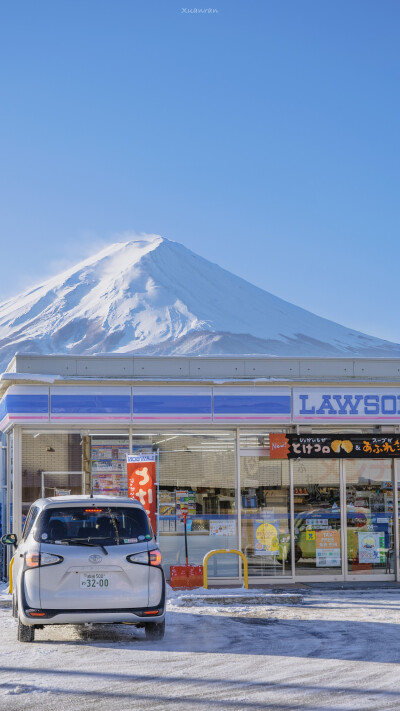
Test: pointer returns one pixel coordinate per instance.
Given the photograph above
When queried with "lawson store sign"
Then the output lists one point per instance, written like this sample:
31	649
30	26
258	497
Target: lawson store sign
346	404
188	405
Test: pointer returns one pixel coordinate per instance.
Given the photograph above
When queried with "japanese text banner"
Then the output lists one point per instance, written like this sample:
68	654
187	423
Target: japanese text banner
334	446
142	485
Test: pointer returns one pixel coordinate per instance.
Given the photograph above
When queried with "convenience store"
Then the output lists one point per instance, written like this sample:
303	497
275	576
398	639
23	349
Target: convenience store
293	461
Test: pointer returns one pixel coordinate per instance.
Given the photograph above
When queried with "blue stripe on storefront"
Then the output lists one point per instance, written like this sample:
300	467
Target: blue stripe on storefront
171	404
160	404
90	404
252	404
29	404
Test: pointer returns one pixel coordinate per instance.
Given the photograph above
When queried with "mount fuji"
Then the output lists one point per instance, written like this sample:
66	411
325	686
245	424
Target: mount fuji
154	296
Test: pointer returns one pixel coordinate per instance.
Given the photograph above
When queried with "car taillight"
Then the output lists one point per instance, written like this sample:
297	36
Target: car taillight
142	558
36	560
146	558
50	559
155	557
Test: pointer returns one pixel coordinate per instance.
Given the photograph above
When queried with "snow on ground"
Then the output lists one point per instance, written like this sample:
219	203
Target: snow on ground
339	650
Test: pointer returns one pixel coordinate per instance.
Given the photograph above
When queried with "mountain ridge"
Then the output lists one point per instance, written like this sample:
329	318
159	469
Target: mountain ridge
152	295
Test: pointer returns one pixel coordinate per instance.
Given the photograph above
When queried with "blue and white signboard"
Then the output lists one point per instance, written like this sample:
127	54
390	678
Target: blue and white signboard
346	404
240	404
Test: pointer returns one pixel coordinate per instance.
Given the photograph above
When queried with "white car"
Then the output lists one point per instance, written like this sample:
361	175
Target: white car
85	559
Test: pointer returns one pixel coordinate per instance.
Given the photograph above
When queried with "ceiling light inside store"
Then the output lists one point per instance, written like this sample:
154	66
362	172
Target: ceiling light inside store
166	439
108	434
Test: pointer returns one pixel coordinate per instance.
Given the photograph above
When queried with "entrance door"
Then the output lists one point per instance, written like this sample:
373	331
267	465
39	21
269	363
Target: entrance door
370	518
265	514
317	519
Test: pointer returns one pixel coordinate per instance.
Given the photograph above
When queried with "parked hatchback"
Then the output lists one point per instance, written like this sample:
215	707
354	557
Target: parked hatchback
87	559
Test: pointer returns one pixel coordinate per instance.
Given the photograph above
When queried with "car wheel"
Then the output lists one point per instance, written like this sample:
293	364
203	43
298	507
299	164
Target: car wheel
26	633
155	630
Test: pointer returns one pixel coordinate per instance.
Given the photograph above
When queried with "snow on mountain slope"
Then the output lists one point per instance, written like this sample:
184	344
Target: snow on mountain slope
155	296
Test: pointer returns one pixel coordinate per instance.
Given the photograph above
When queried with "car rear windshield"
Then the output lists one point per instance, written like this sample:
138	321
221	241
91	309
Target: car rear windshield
105	525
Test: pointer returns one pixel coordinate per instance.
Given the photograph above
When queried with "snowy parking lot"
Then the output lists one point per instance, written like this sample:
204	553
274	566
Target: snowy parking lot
339	649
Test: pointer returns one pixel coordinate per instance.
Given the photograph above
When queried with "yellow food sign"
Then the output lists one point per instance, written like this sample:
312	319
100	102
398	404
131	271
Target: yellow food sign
266	537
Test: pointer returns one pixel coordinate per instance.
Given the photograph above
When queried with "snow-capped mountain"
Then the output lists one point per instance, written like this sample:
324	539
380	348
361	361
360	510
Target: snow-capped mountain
155	296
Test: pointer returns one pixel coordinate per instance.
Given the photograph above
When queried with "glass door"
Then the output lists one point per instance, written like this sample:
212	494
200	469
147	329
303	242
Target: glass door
317	518
265	515
369	512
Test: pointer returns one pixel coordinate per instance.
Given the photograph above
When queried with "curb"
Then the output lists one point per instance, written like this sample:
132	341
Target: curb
259	599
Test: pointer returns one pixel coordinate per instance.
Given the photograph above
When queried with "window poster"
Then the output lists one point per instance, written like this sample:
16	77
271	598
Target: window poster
222	527
109	467
266	537
167	503
327	548
185	500
371	547
109	484
102	465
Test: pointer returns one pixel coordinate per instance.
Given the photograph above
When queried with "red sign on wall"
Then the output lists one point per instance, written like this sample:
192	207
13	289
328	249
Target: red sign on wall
142	485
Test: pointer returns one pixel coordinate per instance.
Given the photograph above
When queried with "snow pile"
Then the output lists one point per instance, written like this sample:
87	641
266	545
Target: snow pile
154	296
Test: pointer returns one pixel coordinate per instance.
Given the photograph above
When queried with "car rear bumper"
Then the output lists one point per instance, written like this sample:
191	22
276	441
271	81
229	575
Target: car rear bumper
64	617
134	615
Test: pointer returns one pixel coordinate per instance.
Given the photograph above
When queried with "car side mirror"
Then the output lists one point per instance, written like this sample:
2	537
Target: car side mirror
10	539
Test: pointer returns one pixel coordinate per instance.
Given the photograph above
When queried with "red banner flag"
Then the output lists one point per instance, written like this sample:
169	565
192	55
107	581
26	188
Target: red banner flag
142	485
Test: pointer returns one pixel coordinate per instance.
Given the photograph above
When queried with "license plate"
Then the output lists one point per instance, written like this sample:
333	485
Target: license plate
92	581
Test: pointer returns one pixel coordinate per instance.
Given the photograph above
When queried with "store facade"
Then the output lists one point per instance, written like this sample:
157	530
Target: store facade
292	461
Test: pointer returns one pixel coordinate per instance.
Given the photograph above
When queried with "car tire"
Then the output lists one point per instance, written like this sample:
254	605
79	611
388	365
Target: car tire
155	630
26	633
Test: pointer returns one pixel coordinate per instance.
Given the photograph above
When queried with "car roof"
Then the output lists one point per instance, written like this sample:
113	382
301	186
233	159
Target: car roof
87	500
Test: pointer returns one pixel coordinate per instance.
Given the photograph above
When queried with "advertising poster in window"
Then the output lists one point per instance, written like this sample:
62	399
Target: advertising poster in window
371	547
266	537
167	503
108	467
141	472
185	501
108	484
223	527
327	548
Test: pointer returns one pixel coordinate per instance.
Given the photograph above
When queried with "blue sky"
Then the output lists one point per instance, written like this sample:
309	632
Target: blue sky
264	136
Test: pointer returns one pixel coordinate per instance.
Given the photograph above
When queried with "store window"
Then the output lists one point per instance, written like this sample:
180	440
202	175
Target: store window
265	503
51	466
317	521
369	503
197	471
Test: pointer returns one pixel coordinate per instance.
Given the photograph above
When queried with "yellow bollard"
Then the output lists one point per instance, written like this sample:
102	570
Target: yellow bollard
225	550
10	578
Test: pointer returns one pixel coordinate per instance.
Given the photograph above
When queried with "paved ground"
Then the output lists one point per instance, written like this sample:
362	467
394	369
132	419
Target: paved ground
339	650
